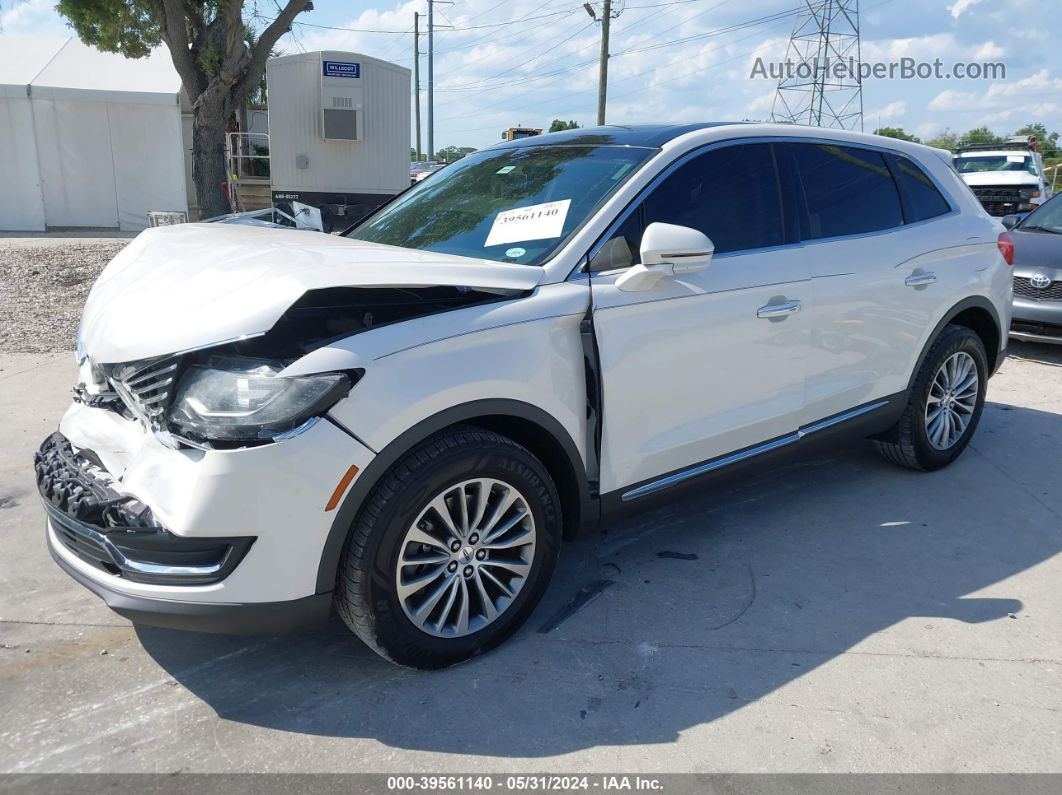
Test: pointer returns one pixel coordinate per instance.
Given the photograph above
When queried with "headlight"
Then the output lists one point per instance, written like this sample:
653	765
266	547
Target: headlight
228	398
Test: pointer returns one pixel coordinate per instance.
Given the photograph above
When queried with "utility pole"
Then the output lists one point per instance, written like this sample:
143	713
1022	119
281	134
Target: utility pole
416	75
602	79
431	80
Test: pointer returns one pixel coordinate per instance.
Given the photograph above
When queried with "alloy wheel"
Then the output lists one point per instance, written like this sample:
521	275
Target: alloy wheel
952	400
465	558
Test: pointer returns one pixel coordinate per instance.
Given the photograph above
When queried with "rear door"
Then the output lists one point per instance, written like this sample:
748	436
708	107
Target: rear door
694	368
875	290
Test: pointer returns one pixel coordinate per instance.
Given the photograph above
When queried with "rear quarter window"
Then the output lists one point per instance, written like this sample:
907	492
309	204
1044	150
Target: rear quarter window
921	199
848	191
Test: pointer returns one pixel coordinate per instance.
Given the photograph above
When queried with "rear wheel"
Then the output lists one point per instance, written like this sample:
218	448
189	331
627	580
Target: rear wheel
944	406
452	550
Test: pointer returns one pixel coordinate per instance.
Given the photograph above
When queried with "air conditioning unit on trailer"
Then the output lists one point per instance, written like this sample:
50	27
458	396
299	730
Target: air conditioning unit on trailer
338	133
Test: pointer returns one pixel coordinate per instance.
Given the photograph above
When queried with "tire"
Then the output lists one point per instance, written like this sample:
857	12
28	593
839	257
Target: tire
909	443
403	510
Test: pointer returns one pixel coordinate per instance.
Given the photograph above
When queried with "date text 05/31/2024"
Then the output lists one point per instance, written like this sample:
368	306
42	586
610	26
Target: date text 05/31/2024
547	783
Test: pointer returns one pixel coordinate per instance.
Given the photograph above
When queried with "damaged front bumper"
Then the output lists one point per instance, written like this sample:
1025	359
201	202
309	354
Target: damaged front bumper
118	534
222	540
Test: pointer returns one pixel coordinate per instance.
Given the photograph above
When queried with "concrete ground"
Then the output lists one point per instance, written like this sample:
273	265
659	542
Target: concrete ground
837	614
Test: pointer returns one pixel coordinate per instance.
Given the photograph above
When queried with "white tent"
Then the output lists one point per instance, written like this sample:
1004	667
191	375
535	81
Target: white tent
89	139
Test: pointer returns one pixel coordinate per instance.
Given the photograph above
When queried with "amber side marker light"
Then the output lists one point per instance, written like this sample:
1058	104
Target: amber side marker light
341	488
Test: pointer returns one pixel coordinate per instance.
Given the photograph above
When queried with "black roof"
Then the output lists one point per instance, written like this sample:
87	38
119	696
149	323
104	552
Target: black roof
654	135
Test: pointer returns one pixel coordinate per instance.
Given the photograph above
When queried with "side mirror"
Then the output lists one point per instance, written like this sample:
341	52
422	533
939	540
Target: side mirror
1010	221
667	250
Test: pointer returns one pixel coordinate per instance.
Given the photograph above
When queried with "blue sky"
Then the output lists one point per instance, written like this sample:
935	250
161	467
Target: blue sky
525	62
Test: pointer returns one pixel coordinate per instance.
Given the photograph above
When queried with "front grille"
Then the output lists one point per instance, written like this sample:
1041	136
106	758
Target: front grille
146	387
1000	199
1023	289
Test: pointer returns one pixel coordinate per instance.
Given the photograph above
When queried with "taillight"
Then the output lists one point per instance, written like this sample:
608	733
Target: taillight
1006	247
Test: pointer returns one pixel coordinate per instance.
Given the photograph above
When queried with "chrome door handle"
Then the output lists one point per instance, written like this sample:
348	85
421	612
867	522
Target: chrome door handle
920	279
778	310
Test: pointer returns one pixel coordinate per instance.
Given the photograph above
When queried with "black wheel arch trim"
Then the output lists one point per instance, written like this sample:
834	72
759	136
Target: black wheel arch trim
972	302
389	455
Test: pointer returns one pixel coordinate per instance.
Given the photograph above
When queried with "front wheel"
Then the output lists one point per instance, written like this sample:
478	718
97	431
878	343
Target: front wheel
452	550
944	405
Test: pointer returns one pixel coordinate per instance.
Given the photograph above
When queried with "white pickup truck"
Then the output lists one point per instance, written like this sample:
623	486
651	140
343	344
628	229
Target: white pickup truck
1006	178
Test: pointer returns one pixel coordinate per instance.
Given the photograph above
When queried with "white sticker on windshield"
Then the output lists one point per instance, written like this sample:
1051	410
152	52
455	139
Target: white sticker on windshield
505	169
535	222
1015	158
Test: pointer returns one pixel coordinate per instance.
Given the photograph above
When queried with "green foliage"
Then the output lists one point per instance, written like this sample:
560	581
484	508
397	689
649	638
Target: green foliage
448	154
981	135
128	27
896	132
557	125
945	139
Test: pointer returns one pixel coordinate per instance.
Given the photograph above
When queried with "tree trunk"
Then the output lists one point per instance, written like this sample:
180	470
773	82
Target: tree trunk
208	157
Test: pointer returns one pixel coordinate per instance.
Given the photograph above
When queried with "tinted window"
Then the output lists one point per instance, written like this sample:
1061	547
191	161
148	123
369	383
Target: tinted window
730	194
921	199
848	190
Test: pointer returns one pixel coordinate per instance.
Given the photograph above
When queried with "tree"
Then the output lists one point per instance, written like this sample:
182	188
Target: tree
945	139
981	135
557	125
896	132
1048	142
448	154
219	59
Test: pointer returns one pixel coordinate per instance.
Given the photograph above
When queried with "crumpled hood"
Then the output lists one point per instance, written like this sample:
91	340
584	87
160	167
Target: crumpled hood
189	286
979	178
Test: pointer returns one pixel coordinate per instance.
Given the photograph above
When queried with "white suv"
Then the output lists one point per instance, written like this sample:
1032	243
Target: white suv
405	421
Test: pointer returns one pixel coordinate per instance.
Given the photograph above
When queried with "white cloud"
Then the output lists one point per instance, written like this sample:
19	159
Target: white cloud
957	8
891	112
989	49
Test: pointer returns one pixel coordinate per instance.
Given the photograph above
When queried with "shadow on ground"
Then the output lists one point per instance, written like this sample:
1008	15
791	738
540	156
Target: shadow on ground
1035	352
759	583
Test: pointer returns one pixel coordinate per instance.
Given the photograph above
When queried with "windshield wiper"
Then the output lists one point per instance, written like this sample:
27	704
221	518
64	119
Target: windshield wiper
1035	228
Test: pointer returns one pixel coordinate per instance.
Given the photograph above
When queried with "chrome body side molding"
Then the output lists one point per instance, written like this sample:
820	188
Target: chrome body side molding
719	463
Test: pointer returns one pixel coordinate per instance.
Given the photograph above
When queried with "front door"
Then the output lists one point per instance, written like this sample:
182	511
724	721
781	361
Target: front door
707	363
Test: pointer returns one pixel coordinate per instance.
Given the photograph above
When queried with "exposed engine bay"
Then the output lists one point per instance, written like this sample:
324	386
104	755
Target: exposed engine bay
322	316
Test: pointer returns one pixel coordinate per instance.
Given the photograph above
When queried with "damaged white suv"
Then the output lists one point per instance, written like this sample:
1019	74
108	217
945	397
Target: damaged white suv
404	422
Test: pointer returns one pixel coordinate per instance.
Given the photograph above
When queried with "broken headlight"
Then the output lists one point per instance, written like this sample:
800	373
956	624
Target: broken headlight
241	399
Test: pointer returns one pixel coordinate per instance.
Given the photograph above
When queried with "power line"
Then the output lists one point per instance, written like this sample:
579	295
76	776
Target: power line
782	15
640	74
522	62
641	89
446	30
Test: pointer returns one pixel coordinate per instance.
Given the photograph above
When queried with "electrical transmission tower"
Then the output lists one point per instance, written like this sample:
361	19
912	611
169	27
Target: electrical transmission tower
821	83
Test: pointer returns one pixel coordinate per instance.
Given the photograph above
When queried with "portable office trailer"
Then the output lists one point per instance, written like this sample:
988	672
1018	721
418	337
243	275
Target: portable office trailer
338	132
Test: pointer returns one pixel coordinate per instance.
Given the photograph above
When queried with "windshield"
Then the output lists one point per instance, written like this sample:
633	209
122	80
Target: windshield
509	205
1047	217
971	163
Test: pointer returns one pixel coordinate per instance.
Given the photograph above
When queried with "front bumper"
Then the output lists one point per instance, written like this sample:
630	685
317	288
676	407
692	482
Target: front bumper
1036	321
254	521
263	618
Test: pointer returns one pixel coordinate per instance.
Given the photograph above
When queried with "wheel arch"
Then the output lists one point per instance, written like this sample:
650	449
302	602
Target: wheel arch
979	315
526	424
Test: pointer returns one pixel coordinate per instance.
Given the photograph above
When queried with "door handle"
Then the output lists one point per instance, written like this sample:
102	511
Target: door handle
778	310
920	279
